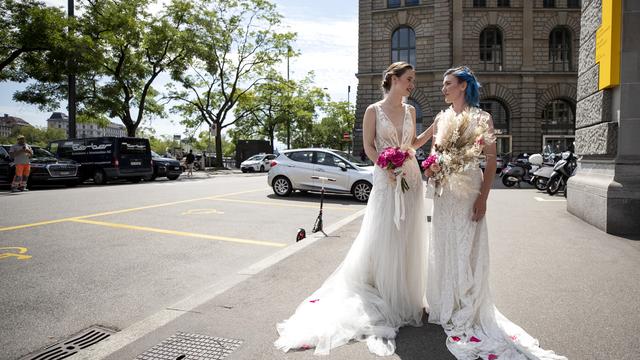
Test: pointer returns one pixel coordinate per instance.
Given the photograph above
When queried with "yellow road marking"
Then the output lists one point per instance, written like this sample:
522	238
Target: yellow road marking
283	204
18	256
180	233
17	227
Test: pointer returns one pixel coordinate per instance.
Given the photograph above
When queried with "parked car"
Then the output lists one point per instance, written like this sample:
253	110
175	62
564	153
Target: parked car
163	166
294	169
260	162
501	162
105	158
45	168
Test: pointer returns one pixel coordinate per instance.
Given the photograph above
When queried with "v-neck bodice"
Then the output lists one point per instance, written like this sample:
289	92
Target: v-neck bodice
387	133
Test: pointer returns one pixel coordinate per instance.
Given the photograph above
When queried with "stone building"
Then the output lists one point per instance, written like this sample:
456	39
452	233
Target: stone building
9	123
606	189
58	120
524	52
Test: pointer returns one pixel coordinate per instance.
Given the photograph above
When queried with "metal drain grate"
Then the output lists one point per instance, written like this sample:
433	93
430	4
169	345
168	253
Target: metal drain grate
69	347
184	346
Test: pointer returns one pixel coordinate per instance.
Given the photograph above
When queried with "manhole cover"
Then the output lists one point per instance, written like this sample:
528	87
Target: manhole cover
184	346
66	348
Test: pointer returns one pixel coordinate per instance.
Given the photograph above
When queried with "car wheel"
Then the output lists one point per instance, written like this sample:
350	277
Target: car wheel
173	177
361	191
99	178
261	168
282	186
244	170
135	180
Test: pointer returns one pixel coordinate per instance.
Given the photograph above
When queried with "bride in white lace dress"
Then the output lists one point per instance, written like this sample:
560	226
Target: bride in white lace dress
380	285
458	267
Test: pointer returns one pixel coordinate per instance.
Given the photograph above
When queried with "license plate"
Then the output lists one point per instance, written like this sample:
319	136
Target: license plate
136	163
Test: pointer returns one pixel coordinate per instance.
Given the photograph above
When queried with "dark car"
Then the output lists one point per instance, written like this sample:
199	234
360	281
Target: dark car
105	158
45	168
163	166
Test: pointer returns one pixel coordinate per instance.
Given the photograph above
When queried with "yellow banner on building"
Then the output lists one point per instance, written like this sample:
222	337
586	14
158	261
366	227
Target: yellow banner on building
608	44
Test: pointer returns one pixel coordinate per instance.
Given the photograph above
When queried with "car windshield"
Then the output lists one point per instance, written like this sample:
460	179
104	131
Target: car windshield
352	159
155	154
255	158
41	153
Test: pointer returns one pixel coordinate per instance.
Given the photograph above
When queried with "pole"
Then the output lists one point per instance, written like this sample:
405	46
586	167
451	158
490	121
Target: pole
288	114
72	84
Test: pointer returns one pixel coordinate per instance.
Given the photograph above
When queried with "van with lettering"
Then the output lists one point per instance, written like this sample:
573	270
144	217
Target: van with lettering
107	158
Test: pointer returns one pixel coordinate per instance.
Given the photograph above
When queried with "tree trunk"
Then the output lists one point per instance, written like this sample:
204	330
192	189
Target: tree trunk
218	162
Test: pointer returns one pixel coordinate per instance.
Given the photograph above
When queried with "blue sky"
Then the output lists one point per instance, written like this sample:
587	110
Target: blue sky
327	38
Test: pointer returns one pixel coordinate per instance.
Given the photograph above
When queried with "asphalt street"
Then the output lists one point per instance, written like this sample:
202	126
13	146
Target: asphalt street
115	254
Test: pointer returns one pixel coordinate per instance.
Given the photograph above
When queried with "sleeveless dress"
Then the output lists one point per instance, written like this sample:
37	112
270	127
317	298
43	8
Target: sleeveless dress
380	285
458	274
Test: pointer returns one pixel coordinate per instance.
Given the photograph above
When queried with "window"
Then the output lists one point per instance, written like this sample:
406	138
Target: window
301	156
403	45
411	2
491	48
574	4
558	118
549	3
326	159
419	126
479	3
504	3
498	114
393	3
560	49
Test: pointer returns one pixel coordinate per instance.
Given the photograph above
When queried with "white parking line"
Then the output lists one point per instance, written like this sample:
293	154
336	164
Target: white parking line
549	200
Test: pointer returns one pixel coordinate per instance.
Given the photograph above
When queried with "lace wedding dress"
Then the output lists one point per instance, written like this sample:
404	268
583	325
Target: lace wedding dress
458	273
380	285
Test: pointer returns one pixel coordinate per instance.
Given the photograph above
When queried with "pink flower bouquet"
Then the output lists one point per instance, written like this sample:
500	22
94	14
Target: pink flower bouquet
393	158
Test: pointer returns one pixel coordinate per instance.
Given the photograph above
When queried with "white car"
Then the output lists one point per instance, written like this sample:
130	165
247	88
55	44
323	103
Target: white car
260	162
296	169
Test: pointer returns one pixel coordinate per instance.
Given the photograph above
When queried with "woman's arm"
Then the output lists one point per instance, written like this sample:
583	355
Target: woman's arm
423	137
369	134
489	150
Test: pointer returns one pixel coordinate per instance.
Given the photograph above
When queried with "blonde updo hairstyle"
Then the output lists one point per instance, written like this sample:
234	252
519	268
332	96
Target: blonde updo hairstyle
398	69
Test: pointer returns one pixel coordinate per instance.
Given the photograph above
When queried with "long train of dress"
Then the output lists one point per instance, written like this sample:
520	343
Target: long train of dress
380	285
458	292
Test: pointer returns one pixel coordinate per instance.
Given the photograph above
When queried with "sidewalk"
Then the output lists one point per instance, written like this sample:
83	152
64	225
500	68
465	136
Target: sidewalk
573	287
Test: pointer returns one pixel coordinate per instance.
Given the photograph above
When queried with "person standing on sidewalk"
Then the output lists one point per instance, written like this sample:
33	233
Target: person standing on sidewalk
21	154
190	160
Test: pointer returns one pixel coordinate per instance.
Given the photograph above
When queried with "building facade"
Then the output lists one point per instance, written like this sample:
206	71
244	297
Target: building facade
8	123
524	52
59	120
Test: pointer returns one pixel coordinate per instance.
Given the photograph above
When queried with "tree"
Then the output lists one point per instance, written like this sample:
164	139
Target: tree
300	112
39	136
32	35
236	45
339	120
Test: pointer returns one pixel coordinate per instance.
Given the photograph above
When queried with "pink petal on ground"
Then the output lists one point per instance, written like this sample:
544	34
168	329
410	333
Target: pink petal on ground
306	347
314	301
474	339
455	338
514	338
492	357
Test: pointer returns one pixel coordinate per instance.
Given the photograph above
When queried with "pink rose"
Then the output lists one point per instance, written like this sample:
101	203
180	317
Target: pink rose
398	157
435	167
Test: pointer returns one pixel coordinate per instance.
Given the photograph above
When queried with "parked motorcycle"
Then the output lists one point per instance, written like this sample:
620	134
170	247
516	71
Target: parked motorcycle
521	170
562	171
542	175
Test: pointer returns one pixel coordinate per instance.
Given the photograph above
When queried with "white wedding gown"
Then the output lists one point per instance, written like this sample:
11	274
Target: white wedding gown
458	277
380	285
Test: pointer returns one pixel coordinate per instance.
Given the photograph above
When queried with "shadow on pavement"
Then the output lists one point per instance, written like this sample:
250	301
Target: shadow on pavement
345	199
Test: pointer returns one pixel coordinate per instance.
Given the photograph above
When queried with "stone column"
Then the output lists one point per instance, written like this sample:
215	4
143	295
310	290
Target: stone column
606	189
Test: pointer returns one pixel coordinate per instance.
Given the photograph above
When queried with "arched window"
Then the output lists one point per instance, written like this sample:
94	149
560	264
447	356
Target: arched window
411	2
491	48
575	4
560	49
419	114
504	3
479	3
403	45
549	3
498	113
558	118
393	3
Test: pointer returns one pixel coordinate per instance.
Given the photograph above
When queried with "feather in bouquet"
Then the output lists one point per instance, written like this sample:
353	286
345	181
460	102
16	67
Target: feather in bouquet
459	144
393	158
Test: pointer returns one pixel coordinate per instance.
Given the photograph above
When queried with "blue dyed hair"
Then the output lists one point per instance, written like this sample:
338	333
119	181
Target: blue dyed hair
472	93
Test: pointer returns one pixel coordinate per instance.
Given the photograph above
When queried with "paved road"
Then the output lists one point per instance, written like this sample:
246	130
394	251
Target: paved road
114	254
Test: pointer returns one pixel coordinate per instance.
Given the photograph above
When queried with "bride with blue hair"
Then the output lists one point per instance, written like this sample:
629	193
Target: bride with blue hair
458	292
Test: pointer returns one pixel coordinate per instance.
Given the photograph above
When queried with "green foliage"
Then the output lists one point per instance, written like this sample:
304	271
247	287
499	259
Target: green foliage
38	136
329	131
